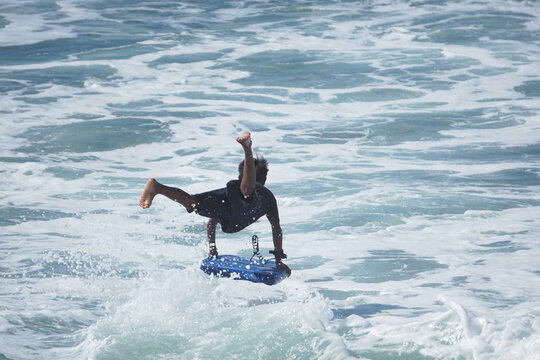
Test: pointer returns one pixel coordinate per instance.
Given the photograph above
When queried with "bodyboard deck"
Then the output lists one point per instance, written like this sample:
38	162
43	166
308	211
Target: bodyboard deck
254	270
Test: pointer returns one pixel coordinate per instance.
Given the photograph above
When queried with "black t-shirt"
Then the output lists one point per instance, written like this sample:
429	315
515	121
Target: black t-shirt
233	210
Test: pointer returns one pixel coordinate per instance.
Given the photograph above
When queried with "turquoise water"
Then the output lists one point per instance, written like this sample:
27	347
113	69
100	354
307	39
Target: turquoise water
403	141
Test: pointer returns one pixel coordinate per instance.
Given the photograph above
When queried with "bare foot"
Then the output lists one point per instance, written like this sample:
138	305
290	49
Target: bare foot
150	190
213	251
245	139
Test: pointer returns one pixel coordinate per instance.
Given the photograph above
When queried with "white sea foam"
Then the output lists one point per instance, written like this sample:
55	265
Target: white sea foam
31	29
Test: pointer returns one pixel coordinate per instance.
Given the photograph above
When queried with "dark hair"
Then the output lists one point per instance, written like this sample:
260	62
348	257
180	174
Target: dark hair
261	169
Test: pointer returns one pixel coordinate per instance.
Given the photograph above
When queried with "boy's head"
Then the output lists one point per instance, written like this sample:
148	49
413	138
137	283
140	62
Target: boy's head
261	170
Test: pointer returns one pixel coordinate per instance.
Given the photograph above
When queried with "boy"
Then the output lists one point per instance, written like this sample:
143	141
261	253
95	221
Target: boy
235	207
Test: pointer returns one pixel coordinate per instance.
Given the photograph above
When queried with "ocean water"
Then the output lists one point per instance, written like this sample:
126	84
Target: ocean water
404	146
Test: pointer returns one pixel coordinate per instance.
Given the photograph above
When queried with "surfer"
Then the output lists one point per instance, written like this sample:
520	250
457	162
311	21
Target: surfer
238	205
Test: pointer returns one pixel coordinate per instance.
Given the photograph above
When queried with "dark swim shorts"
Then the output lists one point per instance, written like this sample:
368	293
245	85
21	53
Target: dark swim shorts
232	210
213	204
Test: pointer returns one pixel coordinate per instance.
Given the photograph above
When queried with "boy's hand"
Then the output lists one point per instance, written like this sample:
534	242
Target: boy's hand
279	254
283	266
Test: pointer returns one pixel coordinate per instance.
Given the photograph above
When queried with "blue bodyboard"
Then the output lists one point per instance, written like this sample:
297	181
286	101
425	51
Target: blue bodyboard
254	270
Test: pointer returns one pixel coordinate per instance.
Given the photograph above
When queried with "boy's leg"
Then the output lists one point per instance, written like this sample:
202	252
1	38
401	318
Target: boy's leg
153	188
211	232
248	176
